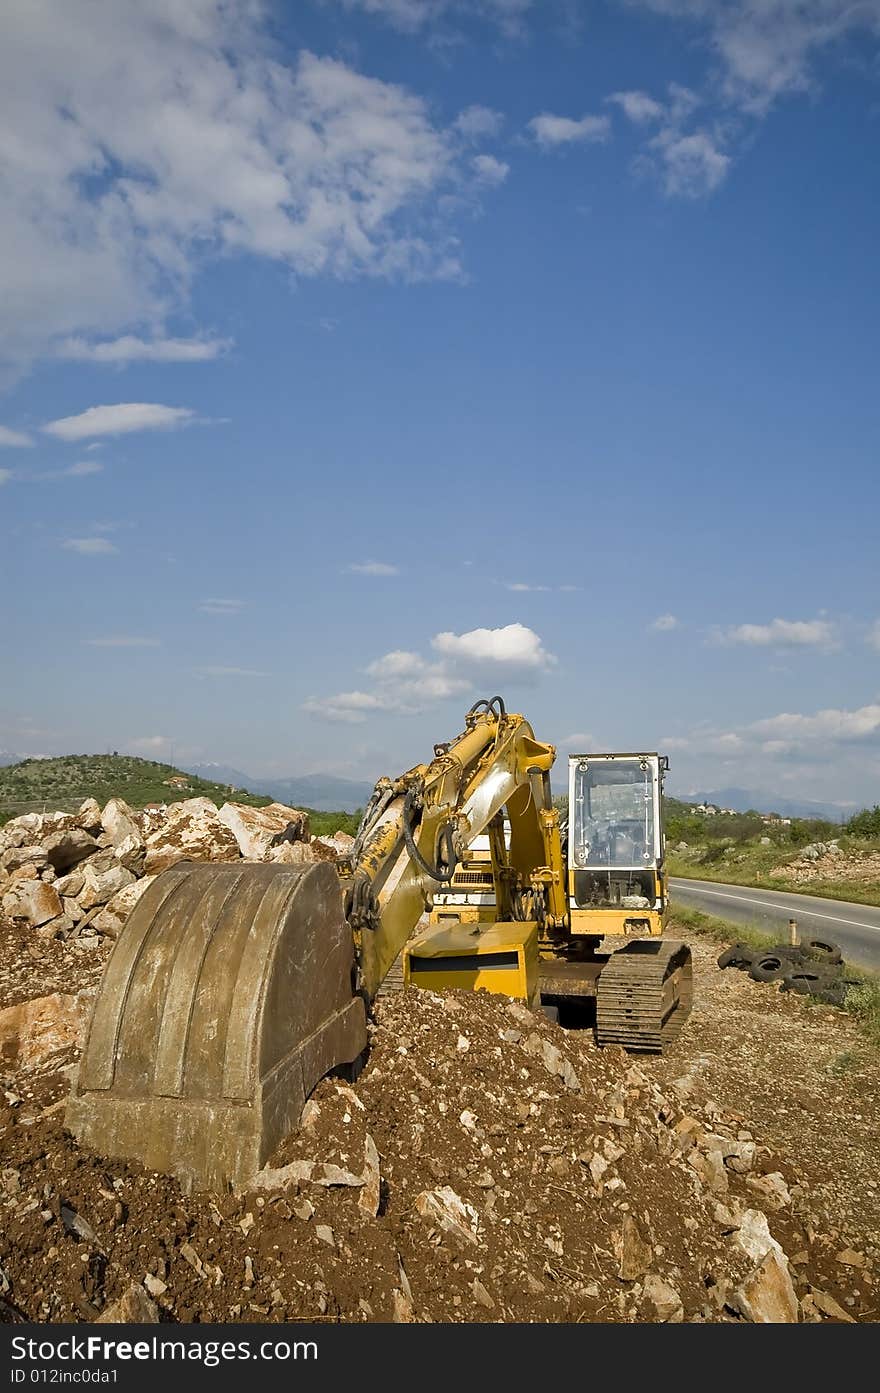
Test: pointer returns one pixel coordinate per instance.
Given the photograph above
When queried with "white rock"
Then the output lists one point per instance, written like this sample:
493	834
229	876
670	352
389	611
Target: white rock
33	900
119	820
257	830
444	1209
192	831
101	886
767	1296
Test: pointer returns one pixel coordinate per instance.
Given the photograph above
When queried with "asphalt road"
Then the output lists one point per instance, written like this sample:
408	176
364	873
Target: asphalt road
856	927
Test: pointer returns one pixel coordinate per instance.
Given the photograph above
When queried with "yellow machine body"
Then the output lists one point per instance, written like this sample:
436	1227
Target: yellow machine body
232	989
502	958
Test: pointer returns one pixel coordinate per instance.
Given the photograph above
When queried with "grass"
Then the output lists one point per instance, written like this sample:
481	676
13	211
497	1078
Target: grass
751	865
63	783
862	1000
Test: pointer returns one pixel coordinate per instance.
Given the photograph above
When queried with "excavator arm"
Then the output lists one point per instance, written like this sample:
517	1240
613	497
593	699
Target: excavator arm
232	989
418	826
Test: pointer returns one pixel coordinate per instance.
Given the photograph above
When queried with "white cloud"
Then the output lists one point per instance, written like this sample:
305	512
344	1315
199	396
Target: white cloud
521	587
150	742
514	647
550	131
692	165
122	641
412	16
782	633
118	420
90	546
829	725
637	106
130	349
84	467
13	437
5	476
399	663
147	139
407	683
664	622
581	742
489	170
223	607
479	123
373	568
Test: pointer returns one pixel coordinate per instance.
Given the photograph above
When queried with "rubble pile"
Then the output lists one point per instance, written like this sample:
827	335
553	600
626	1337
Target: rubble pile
79	875
828	861
486	1165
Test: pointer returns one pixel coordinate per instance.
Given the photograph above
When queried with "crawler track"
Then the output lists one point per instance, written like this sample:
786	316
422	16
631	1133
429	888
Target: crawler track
644	995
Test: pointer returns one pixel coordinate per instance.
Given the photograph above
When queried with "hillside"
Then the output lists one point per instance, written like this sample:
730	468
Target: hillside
63	782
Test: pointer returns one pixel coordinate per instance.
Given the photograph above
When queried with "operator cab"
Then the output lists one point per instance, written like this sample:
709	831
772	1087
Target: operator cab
615	833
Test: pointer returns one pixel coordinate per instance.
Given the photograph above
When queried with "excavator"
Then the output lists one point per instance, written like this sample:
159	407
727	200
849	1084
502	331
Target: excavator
233	989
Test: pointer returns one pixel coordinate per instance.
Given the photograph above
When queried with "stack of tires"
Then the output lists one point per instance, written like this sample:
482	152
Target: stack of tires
813	968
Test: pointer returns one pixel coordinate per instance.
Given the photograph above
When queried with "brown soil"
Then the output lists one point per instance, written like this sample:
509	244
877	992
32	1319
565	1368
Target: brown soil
464	1094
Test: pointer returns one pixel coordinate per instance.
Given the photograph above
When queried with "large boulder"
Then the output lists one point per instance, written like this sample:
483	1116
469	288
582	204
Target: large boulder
115	912
89	816
119	821
257	830
337	845
32	1031
65	849
18	856
130	853
192	831
33	900
101	886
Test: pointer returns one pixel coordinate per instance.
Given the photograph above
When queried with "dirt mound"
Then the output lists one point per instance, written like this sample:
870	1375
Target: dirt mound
486	1165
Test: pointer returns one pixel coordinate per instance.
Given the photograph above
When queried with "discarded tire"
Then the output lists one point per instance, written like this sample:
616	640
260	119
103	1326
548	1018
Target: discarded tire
790	952
739	955
805	983
823	950
769	968
834	994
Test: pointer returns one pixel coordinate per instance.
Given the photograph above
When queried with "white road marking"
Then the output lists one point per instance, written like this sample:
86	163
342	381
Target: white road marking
768	904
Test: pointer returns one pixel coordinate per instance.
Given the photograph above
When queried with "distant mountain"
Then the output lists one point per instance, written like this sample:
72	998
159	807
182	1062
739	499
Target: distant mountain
6	759
742	800
324	792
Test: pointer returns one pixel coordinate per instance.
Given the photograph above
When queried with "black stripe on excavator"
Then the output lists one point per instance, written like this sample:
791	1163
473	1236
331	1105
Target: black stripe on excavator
466	962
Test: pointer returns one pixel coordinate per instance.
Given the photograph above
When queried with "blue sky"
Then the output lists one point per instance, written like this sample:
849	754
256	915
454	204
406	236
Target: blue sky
363	357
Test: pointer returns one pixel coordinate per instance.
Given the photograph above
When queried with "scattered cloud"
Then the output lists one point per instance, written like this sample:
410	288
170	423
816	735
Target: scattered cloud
832	724
692	165
90	546
521	587
782	633
5	476
15	438
373	568
150	742
637	106
130	349
122	641
490	171
223	607
514	647
414	16
407	683
121	419
219	671
664	622
183	136
689	163
84	467
579	743
550	131
479	123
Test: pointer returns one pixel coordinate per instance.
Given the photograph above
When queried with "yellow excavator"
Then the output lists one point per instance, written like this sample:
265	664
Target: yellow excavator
232	989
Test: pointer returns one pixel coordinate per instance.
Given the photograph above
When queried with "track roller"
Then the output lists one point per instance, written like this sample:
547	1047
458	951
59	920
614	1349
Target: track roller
644	994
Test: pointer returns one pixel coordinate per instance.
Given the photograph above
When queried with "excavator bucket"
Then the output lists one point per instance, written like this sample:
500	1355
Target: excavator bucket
228	995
